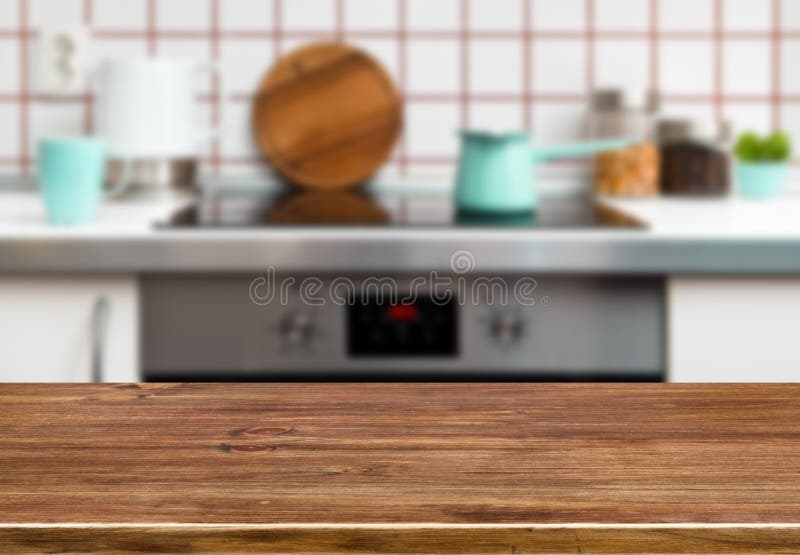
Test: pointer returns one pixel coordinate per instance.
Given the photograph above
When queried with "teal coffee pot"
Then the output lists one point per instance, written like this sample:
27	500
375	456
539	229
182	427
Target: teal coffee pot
497	172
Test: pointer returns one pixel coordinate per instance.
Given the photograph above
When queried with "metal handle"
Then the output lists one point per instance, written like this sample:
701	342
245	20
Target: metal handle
100	318
123	182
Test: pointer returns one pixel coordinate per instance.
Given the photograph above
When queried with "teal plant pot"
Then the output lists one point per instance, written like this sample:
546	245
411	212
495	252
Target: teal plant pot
761	181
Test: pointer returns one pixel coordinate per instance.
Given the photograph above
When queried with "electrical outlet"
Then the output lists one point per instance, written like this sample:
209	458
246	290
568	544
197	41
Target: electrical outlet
62	57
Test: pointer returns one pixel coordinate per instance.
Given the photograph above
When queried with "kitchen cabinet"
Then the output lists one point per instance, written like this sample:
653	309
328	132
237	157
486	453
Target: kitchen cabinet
734	329
69	329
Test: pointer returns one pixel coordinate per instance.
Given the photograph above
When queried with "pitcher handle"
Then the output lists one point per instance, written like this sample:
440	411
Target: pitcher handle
210	133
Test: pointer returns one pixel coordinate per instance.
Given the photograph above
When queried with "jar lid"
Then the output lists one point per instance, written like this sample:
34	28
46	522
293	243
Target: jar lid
683	129
625	99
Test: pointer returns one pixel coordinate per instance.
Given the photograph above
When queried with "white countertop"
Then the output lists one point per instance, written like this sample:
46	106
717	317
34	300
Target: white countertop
22	215
731	217
731	235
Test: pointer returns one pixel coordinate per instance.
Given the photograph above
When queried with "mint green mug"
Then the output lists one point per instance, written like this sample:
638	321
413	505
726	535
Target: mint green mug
71	172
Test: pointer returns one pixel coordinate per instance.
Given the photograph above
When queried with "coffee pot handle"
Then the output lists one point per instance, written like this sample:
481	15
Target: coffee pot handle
577	150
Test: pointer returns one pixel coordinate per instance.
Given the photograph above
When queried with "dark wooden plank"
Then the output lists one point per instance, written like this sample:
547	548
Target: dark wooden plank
400	468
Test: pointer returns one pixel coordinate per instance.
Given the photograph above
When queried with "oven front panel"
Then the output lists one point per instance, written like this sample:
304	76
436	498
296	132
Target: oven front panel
196	327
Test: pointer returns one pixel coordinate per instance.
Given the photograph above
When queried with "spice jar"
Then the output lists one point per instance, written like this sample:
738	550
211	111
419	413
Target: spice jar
694	158
632	171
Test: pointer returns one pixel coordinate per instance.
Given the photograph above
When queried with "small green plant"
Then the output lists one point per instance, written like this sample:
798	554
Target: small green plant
754	149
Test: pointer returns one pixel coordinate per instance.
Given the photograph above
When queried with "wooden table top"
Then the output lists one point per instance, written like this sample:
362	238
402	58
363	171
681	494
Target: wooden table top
400	468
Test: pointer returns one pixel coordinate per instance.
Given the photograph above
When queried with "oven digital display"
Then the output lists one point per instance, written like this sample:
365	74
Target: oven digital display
424	328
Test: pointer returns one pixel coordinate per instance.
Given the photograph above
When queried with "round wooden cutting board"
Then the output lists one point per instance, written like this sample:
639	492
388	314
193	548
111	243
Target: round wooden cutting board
327	116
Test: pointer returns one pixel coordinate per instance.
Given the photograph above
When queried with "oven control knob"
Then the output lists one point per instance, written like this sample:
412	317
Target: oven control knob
507	329
296	329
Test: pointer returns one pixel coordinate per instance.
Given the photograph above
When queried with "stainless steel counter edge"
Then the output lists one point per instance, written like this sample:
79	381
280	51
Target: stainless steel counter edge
414	252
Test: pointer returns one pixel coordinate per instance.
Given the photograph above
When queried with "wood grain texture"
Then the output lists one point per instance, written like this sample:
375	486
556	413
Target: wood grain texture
327	116
400	468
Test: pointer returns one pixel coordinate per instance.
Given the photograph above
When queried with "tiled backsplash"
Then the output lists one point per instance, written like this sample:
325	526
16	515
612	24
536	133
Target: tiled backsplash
459	63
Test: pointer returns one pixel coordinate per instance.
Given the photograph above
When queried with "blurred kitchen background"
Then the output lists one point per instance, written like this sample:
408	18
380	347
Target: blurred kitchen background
657	217
458	63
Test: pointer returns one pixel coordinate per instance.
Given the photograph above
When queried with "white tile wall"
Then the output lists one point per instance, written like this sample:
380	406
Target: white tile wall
791	119
9	145
748	116
559	66
747	15
431	129
119	48
243	63
246	14
44	12
182	14
433	14
433	66
687	66
616	15
52	118
498	64
496	116
569	15
309	14
756	56
790	77
624	62
790	15
9	11
494	66
371	14
120	14
9	77
484	15
686	15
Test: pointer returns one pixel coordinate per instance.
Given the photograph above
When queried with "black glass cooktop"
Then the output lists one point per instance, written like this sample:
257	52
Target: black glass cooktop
227	209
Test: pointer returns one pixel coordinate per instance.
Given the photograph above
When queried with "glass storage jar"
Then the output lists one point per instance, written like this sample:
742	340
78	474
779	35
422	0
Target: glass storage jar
695	158
632	171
